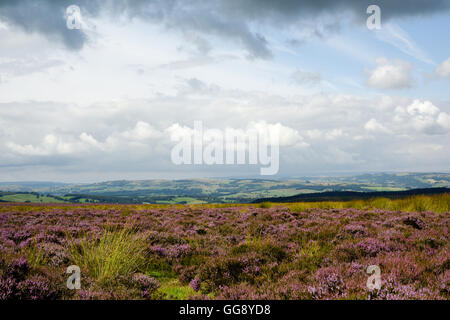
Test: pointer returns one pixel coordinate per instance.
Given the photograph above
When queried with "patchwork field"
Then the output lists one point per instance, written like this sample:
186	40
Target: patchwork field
199	191
315	250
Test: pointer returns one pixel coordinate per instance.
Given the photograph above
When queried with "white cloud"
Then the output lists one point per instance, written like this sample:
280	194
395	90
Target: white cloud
142	131
333	134
390	75
137	135
178	132
423	117
443	70
444	120
422	109
53	145
85	143
287	135
374	126
393	34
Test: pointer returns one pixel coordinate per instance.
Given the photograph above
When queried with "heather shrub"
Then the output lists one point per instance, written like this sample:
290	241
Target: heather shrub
444	284
93	295
17	269
329	284
347	252
371	247
225	251
220	272
392	289
17	236
16	284
267	250
53	253
186	274
146	284
292	286
8	289
240	291
37	288
195	284
225	271
414	222
356	230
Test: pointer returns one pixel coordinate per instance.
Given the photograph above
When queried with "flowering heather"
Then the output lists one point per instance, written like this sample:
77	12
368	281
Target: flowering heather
195	284
17	269
223	252
37	288
371	247
356	230
329	284
147	284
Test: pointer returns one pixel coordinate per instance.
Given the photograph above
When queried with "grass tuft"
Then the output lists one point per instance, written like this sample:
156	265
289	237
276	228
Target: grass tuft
116	253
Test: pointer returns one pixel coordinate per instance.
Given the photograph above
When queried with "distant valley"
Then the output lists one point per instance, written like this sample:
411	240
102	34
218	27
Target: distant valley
198	191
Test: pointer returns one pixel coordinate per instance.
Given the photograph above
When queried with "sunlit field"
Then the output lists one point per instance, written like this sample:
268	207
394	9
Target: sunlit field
315	250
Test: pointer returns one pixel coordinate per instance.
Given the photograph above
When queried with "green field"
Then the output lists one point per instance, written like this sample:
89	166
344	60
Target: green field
19	197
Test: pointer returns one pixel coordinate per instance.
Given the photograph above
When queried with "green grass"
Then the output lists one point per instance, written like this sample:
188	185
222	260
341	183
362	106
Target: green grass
188	200
311	255
35	255
265	205
29	197
436	203
173	290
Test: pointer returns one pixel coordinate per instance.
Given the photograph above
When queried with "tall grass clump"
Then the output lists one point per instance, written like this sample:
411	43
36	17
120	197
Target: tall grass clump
35	255
115	253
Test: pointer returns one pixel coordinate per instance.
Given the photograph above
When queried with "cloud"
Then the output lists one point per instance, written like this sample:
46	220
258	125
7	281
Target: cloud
316	134
287	135
21	67
443	70
133	139
54	145
144	132
236	20
422	116
302	77
416	118
46	17
399	38
141	132
390	75
292	9
374	126
444	120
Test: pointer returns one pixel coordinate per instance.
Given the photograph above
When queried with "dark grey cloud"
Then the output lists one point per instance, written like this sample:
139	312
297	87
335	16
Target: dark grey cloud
47	17
230	19
288	10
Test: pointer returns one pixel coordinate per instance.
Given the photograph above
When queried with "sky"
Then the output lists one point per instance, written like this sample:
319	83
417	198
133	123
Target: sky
108	101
